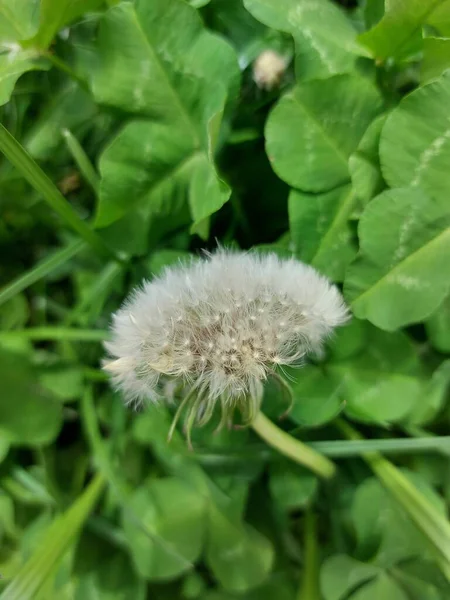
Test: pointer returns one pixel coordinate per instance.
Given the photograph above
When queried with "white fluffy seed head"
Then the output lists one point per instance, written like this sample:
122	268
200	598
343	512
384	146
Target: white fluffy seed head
219	325
268	69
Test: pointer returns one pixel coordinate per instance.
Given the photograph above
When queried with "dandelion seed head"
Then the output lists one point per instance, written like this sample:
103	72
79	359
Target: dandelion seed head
220	325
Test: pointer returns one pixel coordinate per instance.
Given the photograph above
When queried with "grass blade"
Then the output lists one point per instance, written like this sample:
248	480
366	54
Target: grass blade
433	525
32	172
60	536
41	270
57	334
80	157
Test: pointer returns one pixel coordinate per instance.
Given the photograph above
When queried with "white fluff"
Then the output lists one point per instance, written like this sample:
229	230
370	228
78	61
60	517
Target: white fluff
220	325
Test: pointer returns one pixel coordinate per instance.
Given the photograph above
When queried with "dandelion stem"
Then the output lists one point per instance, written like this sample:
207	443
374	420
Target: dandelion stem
291	447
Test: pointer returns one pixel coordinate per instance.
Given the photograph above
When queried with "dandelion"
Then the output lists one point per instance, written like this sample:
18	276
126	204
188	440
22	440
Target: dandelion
268	69
217	328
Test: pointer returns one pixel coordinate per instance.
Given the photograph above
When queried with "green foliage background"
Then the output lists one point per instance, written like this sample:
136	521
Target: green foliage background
146	118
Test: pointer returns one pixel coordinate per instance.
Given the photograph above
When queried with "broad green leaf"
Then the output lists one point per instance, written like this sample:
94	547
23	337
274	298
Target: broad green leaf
163	259
317	397
398	34
383	586
381	383
71	107
325	40
55	14
433	397
422	580
438	327
113	578
13	64
378	518
320	232
249	36
415	141
238	555
373	12
291	486
179	85
440	18
405	247
65	382
314	128
28	414
340	574
18	20
349	340
174	512
364	163
436	58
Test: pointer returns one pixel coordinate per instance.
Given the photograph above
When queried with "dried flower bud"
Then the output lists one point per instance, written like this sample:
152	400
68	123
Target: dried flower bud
218	326
268	69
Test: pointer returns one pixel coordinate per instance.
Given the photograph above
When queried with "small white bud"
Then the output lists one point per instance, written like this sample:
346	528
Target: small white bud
268	69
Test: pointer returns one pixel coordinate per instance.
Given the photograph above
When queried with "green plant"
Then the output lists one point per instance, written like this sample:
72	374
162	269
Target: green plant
135	134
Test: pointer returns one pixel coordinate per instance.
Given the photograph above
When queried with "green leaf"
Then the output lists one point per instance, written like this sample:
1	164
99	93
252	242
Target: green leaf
55	14
438	327
340	574
436	58
13	64
113	578
325	40
415	141
238	555
314	128
248	36
383	586
433	397
399	33
364	163
70	107
175	513
320	232
380	383
14	313
383	527
317	398
405	247
180	85
64	382
28	414
291	486
18	20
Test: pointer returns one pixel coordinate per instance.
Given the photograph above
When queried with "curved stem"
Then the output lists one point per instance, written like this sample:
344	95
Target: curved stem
291	447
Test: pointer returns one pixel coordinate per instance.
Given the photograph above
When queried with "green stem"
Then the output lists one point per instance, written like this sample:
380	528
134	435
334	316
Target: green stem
36	177
41	270
344	448
424	515
64	67
82	160
291	447
57	334
310	589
